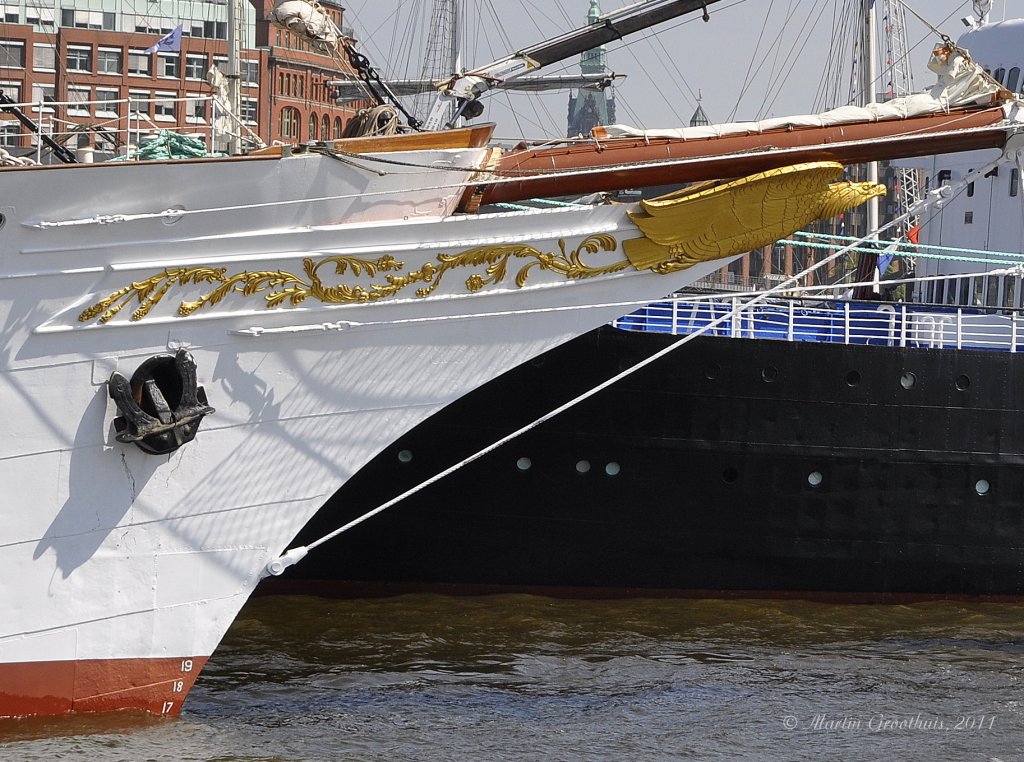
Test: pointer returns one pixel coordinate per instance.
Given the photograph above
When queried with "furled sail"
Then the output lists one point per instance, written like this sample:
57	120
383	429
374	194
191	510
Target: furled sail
309	21
961	83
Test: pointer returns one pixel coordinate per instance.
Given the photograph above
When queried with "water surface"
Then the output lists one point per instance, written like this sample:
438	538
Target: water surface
426	677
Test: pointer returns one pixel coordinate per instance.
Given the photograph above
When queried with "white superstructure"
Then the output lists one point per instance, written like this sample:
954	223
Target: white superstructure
986	216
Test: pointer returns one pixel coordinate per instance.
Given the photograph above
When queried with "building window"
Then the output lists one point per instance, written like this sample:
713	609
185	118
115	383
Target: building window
107	102
337	127
108	61
9	134
167	65
249	107
41	17
195	66
78	100
87	19
139	101
138	63
79	59
44	57
968	218
44	94
163	107
289	123
326	132
12	90
12	54
314	126
195	109
105	143
12	14
251	73
215	30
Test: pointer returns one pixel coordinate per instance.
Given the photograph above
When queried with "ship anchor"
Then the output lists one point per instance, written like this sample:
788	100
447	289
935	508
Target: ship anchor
162	406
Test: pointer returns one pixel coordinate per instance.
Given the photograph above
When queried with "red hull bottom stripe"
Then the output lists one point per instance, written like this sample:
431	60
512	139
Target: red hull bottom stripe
158	686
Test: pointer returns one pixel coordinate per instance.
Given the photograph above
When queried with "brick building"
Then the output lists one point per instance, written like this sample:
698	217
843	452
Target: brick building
95	62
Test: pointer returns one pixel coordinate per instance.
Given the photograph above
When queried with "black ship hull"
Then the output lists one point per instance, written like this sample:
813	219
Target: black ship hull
730	467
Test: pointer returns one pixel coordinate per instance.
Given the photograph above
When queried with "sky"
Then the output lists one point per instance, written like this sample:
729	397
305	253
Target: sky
753	59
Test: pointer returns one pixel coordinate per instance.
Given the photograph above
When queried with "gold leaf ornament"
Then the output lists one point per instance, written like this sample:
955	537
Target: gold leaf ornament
280	287
710	221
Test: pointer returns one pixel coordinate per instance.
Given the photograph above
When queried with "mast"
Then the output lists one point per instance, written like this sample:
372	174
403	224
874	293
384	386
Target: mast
869	73
233	73
455	45
901	80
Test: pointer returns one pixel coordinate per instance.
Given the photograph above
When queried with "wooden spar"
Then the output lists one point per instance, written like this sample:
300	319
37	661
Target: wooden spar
466	137
628	161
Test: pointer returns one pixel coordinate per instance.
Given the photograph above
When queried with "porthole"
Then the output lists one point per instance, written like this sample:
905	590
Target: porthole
583	466
729	475
907	380
963	383
404	456
612	469
982	487
769	374
713	371
852	378
523	464
814	478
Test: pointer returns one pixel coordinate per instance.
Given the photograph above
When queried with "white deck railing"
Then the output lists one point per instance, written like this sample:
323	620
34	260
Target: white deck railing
905	325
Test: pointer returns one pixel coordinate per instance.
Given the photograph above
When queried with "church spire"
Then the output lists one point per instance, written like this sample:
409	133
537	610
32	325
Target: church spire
699	118
595	60
590	107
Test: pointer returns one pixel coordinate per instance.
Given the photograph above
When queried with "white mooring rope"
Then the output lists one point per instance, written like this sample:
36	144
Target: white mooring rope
935	197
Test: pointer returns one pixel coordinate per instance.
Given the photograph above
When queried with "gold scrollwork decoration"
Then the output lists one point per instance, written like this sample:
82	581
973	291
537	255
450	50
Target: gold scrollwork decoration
280	287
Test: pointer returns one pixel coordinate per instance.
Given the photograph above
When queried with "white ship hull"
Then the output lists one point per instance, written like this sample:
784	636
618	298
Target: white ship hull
123	569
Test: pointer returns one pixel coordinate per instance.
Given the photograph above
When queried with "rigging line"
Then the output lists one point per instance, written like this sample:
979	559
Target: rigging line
923	20
539	11
795	57
532	100
1017	258
1003	258
928	36
933	30
750	65
828	70
671	60
779	82
775	61
293	556
775	45
621	100
667	101
653	39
